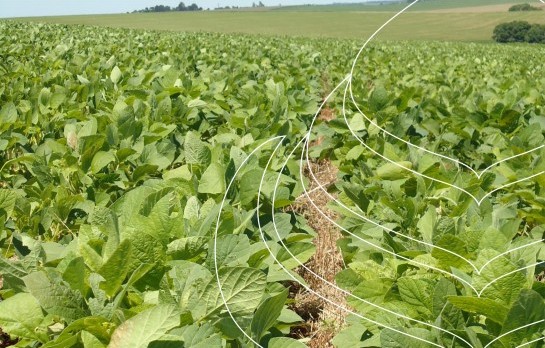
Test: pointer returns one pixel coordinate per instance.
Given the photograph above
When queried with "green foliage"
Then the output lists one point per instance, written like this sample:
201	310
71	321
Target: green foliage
536	34
115	159
519	31
145	327
515	31
162	8
22	316
523	7
458	287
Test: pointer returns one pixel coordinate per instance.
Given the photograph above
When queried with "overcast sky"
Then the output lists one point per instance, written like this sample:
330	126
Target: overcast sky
27	8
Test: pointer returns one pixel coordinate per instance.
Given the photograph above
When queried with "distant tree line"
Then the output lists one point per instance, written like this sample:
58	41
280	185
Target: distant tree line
162	8
523	7
260	4
519	31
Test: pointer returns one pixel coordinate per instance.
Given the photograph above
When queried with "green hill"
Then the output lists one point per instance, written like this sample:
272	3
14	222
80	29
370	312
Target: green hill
389	6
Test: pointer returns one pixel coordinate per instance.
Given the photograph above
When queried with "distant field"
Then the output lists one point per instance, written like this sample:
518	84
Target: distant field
480	9
410	26
423	5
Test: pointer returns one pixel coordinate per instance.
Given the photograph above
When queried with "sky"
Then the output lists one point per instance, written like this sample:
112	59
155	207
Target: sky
28	8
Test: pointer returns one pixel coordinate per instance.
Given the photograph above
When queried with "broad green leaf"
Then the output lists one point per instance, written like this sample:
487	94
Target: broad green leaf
229	329
373	289
12	267
266	314
92	259
164	109
453	258
196	151
357	123
142	270
192	208
64	341
101	160
392	339
196	103
167	341
56	100
147	250
115	269
249	184
203	336
145	327
212	180
285	342
83	80
231	250
159	222
282	222
189	281
115	75
493	310
348	279
349	336
244	222
131	203
53	252
8	113
426	224
153	199
442	290
7	202
502	280
21	316
89	146
391	171
108	223
90	127
529	308
142	171
90	341
302	251
95	327
76	274
242	289
416	292
55	297
187	248
379	98
288	316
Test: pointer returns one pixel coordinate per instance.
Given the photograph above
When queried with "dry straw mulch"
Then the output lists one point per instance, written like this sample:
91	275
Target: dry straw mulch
323	319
